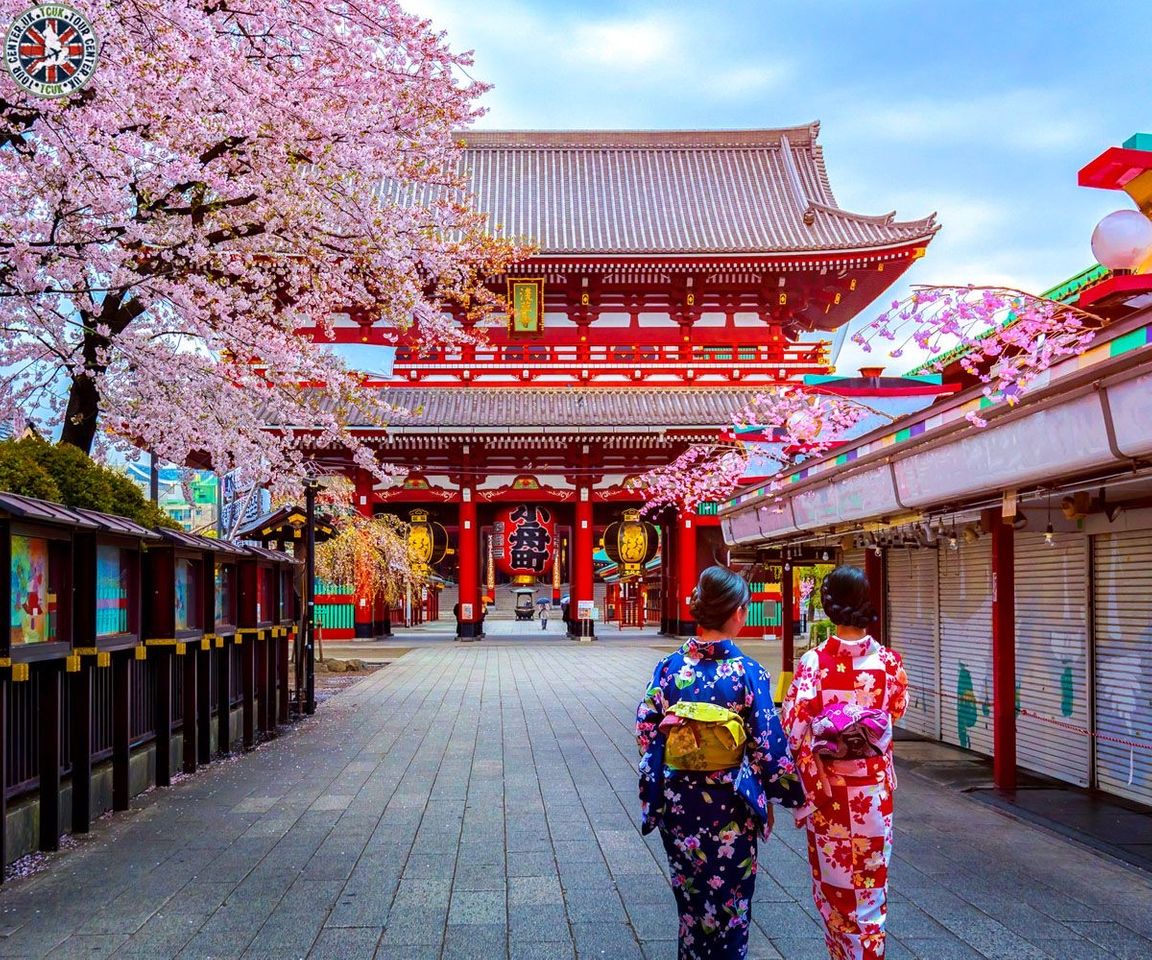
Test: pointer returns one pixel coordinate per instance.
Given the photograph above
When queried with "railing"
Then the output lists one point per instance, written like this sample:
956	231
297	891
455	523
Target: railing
675	362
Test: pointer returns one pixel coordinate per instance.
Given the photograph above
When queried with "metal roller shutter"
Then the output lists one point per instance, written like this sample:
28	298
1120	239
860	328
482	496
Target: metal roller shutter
1052	656
853	558
966	645
1122	572
913	618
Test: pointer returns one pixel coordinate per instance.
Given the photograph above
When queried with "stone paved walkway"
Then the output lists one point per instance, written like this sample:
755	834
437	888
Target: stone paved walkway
477	802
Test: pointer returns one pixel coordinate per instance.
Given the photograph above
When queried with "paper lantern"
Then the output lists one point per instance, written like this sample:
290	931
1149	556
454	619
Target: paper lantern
631	543
524	541
1122	240
427	541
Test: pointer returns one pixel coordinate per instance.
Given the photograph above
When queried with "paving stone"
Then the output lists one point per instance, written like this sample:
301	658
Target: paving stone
479	801
347	944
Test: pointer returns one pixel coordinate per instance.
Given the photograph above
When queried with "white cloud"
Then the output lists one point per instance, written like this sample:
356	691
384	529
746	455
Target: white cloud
627	45
1025	119
569	68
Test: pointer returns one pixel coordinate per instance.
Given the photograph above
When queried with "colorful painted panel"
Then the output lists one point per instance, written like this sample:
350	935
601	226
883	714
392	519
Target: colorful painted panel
33	614
112	591
225	595
186	615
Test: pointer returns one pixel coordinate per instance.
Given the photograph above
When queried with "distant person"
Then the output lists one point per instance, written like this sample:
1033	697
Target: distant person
714	761
566	616
839	712
543	616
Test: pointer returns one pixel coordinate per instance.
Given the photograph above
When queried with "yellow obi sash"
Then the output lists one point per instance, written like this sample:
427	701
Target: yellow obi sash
707	737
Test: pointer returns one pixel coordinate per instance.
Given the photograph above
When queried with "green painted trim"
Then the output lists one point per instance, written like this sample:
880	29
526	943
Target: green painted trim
1129	342
1138	141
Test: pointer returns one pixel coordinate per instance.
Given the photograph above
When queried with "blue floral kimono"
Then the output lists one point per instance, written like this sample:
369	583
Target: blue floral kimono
709	821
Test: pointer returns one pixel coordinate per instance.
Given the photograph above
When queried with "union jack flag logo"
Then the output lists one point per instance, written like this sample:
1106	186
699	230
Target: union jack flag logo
51	50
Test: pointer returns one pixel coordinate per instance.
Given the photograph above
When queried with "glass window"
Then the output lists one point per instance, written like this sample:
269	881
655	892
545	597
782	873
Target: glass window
34	614
187	594
225	594
115	593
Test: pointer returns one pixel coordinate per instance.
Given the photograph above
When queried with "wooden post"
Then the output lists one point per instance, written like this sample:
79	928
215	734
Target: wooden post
48	677
263	694
282	657
271	688
191	712
4	682
1003	655
787	618
248	680
688	574
161	658
874	570
224	697
121	728
81	733
204	704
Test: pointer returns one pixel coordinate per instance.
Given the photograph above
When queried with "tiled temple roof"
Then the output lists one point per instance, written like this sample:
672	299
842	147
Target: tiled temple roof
672	193
464	407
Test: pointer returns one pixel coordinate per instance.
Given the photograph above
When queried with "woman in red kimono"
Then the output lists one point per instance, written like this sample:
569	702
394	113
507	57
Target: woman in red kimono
838	715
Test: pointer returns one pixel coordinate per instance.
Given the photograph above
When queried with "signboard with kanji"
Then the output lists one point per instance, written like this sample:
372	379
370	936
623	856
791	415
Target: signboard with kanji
526	305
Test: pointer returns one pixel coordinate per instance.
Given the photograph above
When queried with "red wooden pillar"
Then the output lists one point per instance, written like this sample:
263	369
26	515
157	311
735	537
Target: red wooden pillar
668	589
874	570
582	566
787	617
363	610
688	574
1003	655
469	625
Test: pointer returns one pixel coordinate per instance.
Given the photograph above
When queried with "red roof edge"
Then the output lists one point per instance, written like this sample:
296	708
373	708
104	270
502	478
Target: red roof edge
1114	168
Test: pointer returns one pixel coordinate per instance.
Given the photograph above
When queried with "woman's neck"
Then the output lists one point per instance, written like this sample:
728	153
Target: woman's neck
711	636
851	633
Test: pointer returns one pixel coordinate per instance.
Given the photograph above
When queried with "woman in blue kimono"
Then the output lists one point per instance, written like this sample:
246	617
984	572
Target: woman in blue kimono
714	760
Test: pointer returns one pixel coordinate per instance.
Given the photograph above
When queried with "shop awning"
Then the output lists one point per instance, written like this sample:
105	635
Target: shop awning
1089	417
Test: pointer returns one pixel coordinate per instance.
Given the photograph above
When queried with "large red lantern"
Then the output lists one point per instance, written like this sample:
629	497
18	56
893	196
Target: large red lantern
524	541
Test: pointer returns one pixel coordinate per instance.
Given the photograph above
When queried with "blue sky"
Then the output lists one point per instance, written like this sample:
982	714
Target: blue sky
982	112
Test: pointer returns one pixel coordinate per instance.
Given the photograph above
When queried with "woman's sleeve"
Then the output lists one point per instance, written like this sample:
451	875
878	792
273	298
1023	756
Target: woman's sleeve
648	738
768	753
651	711
897	685
800	701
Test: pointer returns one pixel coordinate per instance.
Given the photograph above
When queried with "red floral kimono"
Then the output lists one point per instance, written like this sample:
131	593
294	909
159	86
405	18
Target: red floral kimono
849	811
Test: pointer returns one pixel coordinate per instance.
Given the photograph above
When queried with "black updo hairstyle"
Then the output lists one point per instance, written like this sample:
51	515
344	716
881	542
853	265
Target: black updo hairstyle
846	598
718	595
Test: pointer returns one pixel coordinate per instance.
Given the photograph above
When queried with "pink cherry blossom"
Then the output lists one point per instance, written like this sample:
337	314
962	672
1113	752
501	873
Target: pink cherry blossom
232	173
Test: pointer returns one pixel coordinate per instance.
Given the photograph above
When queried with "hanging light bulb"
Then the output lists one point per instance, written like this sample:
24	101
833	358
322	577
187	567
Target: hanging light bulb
1050	533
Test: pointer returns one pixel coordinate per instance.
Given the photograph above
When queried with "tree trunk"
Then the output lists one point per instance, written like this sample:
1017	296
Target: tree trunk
82	415
80	418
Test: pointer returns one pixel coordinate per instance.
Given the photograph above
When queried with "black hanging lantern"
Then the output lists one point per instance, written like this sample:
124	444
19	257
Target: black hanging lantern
631	543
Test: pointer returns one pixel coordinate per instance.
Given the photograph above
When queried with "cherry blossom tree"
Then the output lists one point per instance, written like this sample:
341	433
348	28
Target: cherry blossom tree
235	170
369	554
1004	337
793	422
